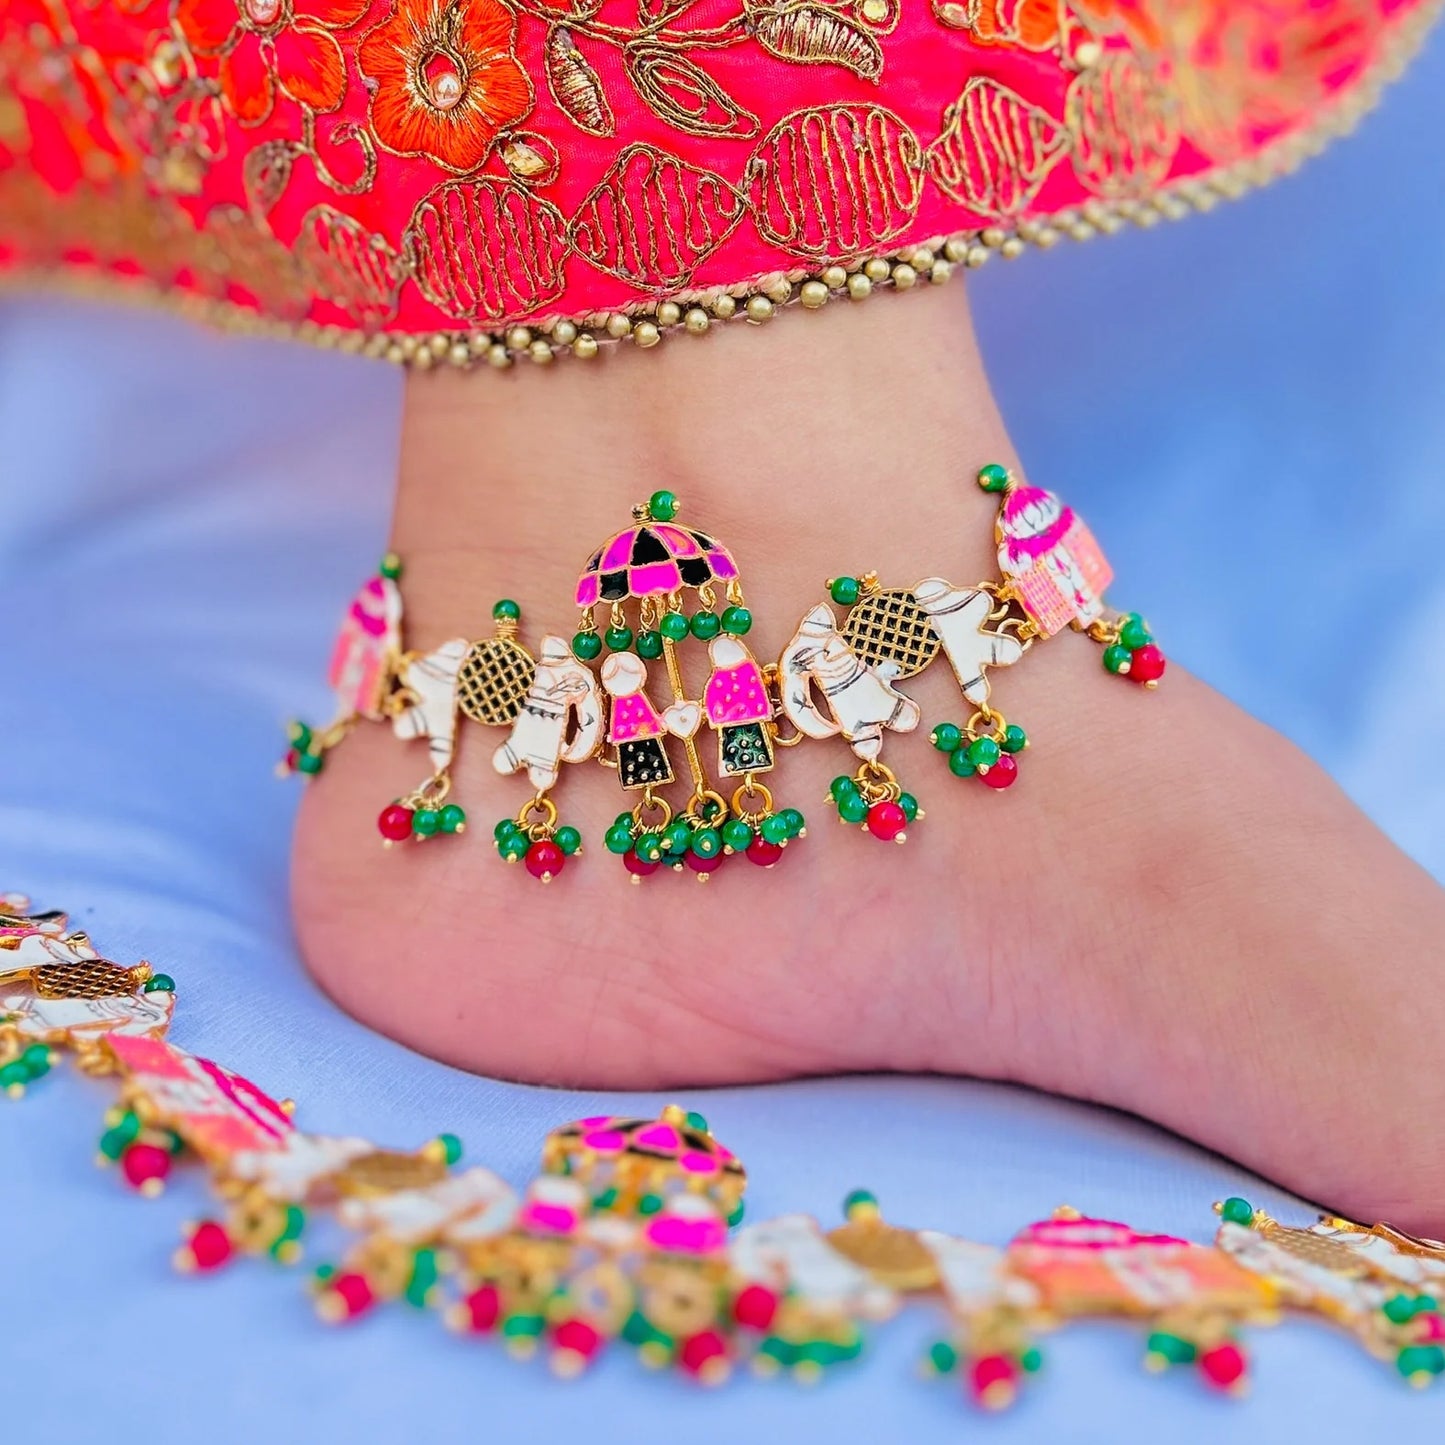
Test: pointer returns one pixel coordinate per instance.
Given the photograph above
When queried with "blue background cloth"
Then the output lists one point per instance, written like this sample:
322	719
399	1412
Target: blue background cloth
1248	401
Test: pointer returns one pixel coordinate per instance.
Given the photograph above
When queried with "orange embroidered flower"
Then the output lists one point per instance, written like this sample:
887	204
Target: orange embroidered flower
445	82
266	44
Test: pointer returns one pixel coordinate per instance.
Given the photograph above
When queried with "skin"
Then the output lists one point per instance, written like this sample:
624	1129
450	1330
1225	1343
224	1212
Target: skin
1235	953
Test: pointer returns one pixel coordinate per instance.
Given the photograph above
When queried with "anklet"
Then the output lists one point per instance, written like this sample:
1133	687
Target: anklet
832	679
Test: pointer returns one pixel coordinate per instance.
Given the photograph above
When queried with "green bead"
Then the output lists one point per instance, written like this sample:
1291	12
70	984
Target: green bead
1416	1360
424	1275
310	763
568	839
959	764
323	1274
14	1075
450	1146
649	1204
1032	1360
705	626
853	807
390	566
453	818
619	838
649	645
857	1199
943	1358
673	626
1235	1210
795	821
1134	632
993	477
523	1327
909	804
425	822
737	833
623	819
650	847
697	1121
505	611
774	828
706	843
1426	1304
1117	658
983	752
947	737
662	506
606	1199
294	1226
618	639
842	787
735	1214
1015	739
737	621
677	836
782	1351
299	736
114	1142
1173	1348
1399	1309
844	590
514	845
586	646
159	983
36	1058
505	829
174	1143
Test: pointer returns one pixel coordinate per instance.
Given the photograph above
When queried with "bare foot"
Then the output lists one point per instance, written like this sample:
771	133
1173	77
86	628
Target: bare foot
1173	912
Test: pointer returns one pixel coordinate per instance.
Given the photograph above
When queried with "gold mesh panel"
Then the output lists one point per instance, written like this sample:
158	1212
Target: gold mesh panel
493	680
88	978
890	626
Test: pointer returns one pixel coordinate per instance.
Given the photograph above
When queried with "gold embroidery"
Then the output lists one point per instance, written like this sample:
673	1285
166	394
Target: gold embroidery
575	85
1125	126
351	267
653	217
679	91
835	180
809	34
996	149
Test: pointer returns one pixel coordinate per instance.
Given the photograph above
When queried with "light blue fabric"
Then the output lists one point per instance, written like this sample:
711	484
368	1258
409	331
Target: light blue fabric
1254	397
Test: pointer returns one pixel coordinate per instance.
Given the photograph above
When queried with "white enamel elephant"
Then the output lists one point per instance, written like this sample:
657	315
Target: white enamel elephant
432	683
860	701
560	720
959	617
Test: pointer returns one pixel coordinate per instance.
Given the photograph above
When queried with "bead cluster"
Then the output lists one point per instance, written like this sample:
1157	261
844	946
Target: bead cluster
991	757
1130	651
873	800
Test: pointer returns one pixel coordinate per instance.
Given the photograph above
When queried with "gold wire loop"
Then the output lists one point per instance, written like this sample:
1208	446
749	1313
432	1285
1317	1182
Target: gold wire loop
431	794
748	792
547	808
702	797
994	721
877	781
650	800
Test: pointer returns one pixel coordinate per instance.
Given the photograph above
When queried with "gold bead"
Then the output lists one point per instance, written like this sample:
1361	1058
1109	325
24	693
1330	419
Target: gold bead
541	352
1046	237
564	333
440	345
697	321
939	272
396	354
669	313
778	289
499	356
993	236
813	295
585	347
618	325
859	286
723	307
876	269
1011	249
921	258
759	308
479	343
519	338
646	334
460	354
976	256
904	276
424	359
408	346
956	249
835	278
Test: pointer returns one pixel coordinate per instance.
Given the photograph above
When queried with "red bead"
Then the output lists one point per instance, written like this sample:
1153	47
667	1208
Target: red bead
355	1293
886	820
483	1307
544	860
755	1307
145	1166
993	1379
579	1337
1225	1364
395	823
703	866
1147	665
764	854
638	867
1002	774
293	760
209	1245
700	1350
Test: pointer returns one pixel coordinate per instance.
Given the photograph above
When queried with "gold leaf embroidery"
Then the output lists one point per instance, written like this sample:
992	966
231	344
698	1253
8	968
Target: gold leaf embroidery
1123	120
954	15
835	180
679	91
652	218
486	250
531	157
267	172
809	34
347	264
995	149
575	85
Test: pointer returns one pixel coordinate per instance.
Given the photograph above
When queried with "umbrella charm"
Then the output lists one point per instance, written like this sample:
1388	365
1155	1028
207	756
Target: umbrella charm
639	582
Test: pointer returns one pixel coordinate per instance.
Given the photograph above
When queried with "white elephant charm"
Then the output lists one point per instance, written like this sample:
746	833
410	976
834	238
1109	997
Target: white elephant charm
861	701
431	683
559	721
959	617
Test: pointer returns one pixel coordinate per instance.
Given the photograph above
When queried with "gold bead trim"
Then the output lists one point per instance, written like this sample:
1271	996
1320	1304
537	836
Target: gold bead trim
757	301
